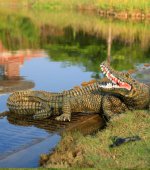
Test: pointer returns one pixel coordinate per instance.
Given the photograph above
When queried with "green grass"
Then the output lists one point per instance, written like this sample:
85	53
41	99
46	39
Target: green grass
76	150
116	5
24	168
125	5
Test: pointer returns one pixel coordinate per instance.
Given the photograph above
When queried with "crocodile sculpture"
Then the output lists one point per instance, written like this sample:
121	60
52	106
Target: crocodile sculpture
117	94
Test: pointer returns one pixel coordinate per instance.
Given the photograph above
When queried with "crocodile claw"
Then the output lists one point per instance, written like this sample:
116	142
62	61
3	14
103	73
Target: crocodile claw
63	117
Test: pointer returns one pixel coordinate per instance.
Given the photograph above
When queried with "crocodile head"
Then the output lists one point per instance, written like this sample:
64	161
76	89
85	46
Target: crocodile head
120	83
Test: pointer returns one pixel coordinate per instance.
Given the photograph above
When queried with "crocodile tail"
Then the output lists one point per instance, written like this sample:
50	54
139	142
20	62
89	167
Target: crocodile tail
21	103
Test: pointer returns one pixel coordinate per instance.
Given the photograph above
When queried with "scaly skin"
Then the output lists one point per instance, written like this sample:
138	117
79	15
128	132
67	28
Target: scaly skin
99	97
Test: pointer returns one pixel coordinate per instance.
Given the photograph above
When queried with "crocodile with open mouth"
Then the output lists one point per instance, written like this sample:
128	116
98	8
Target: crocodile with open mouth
120	92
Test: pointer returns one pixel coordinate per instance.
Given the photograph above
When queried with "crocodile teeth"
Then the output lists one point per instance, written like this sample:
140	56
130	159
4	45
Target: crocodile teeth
109	75
117	83
109	85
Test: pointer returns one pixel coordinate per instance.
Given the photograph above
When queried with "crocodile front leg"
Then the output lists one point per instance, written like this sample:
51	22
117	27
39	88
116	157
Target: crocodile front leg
112	105
66	116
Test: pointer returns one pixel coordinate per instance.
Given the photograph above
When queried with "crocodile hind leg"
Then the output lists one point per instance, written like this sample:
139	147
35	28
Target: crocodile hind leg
112	105
42	114
66	116
44	111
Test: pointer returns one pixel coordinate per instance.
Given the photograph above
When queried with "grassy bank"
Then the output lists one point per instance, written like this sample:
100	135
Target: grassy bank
117	5
76	150
117	8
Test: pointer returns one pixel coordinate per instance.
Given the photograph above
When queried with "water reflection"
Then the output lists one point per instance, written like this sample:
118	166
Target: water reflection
79	39
78	122
9	86
10	65
81	48
11	61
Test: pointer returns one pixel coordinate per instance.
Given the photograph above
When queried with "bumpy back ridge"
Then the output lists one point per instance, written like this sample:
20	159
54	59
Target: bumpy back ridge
83	84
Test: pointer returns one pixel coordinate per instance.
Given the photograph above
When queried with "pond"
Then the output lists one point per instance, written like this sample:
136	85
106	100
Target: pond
56	51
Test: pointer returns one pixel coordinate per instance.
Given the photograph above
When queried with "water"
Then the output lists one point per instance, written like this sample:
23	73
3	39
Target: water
53	54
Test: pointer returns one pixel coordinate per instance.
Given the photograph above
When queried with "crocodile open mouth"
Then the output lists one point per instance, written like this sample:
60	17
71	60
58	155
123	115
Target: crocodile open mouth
115	82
